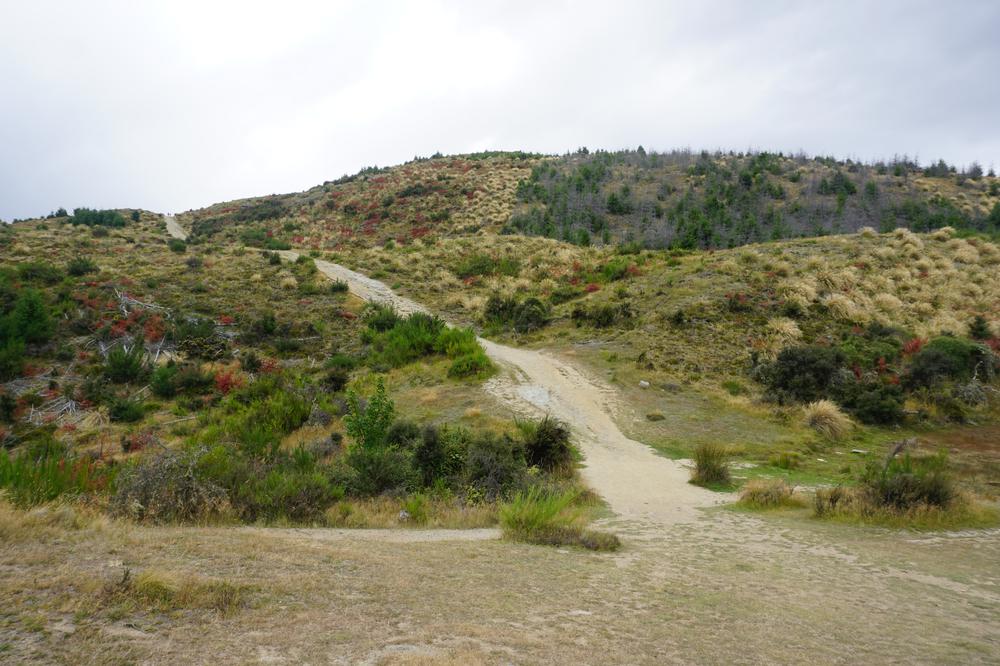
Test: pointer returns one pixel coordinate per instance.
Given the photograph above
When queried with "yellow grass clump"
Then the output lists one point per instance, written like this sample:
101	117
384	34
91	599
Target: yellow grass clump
825	417
867	232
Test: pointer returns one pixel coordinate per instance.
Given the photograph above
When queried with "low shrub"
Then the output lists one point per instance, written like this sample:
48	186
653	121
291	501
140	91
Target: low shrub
547	443
162	381
494	465
81	266
903	482
802	373
177	245
711	466
522	316
125	365
165	487
603	316
949	358
126	410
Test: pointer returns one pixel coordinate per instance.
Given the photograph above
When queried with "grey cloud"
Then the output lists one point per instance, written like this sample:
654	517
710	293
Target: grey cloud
176	105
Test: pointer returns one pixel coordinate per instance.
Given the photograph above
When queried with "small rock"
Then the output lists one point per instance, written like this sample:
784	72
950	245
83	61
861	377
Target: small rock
860	452
403	516
655	416
643	383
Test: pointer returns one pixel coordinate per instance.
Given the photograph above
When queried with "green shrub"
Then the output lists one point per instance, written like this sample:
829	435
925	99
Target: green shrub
979	328
602	316
872	402
547	443
124	365
97	218
126	410
338	287
710	465
11	359
177	245
903	482
39	271
162	381
29	320
523	316
429	456
81	266
948	358
564	294
494	465
380	317
282	493
484	264
803	373
473	364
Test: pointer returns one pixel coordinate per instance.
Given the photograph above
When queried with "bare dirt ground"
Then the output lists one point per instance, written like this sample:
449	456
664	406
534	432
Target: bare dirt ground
173	229
692	584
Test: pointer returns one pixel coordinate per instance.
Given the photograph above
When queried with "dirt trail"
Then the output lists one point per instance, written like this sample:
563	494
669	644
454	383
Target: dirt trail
641	487
174	229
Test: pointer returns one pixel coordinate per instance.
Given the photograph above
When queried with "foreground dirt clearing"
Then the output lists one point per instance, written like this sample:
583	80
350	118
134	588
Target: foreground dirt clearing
724	588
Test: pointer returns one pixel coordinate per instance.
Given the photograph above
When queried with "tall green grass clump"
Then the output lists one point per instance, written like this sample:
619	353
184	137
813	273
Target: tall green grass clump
551	518
711	466
31	481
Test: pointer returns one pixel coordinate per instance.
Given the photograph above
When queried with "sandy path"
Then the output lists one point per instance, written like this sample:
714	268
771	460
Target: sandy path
641	487
174	229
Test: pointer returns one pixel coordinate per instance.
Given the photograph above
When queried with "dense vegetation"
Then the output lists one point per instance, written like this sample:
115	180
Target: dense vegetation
712	200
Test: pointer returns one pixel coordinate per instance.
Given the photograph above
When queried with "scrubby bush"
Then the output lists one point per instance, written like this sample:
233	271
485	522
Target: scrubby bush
603	316
81	266
378	464
494	465
483	264
125	365
802	373
872	402
11	359
546	443
29	321
948	358
167	486
903	482
508	312
979	328
711	465
177	245
125	410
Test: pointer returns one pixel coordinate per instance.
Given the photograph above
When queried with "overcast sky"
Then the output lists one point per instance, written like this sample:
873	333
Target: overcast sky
175	105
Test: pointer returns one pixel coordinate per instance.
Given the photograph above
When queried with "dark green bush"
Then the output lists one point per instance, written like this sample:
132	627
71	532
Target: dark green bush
125	410
29	320
38	271
979	328
81	266
11	359
905	482
125	365
523	316
495	465
162	381
547	443
803	373
602	316
872	402
478	265
97	218
177	245
948	358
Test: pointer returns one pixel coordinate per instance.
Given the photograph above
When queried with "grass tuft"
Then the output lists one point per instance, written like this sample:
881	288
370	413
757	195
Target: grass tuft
552	519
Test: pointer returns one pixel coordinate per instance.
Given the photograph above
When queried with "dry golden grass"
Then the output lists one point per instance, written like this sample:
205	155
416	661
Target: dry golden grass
825	417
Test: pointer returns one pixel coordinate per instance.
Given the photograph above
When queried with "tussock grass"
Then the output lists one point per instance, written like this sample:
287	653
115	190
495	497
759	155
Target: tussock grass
826	418
553	519
711	466
853	506
424	512
762	494
170	591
